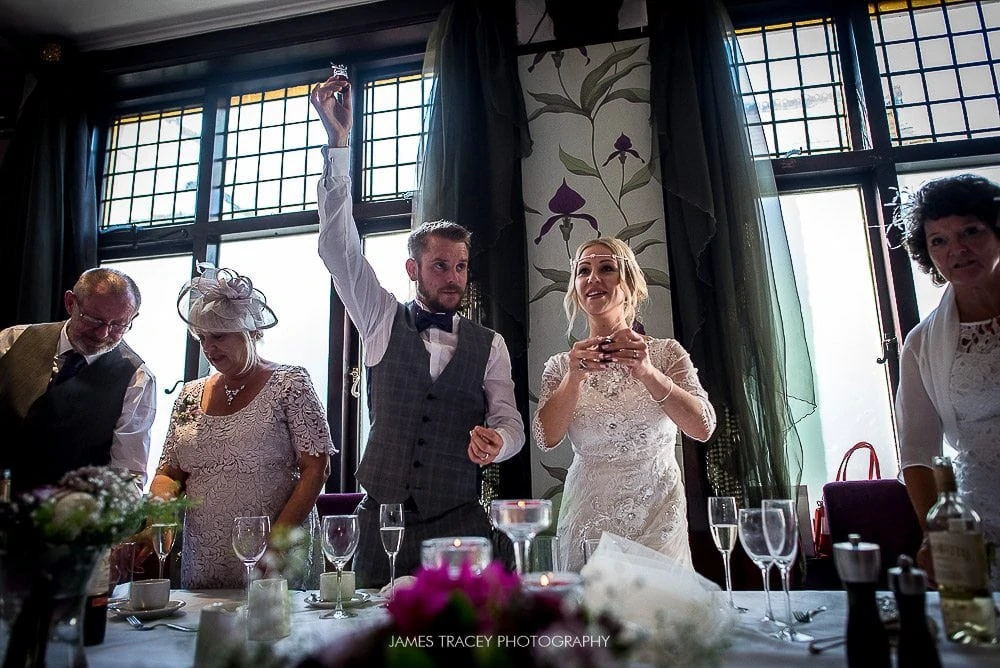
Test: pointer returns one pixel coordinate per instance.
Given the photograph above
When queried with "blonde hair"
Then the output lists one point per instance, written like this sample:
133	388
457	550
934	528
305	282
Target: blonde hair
633	282
250	339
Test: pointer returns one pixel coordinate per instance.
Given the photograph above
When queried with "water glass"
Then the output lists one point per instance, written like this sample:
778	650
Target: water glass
544	555
521	519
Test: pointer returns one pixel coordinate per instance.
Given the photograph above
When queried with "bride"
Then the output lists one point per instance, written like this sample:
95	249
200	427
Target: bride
620	397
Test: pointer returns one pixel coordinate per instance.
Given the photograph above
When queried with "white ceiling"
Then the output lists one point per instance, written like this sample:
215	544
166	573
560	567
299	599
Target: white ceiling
109	24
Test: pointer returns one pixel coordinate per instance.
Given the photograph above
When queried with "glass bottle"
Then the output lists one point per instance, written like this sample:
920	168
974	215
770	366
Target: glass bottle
958	553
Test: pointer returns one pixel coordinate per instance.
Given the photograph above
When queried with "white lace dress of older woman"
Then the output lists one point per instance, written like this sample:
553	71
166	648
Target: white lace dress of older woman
242	464
624	478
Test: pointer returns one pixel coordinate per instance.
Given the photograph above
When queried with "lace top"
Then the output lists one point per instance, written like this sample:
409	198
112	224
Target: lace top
624	477
975	393
242	464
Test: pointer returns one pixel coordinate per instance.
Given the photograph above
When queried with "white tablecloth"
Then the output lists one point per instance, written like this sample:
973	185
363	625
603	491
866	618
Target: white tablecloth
164	648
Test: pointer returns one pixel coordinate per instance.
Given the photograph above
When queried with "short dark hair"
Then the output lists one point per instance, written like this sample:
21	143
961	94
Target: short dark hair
416	244
962	195
118	283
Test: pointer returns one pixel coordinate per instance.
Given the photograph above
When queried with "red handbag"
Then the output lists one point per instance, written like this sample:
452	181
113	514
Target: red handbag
822	543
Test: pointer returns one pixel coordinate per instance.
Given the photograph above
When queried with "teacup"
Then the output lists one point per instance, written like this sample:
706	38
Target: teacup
328	586
150	594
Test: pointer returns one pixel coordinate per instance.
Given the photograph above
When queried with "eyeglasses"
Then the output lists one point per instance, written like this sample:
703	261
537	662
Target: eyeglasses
114	328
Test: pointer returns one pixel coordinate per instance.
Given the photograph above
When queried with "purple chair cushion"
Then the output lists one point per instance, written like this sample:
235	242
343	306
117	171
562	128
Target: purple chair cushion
338	503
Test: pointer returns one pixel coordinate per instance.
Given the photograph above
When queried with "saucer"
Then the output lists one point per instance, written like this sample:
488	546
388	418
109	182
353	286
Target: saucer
124	611
314	601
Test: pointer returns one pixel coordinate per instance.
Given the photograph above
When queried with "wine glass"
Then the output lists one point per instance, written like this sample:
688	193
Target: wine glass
340	540
781	532
163	541
521	519
755	545
250	541
391	526
723	522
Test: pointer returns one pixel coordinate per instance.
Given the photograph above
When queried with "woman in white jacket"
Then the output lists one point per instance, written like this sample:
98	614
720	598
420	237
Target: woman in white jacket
949	389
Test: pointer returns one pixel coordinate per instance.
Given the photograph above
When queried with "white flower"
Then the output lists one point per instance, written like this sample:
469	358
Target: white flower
72	513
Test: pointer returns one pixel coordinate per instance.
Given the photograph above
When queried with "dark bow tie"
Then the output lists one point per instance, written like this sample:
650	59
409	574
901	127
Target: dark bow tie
424	319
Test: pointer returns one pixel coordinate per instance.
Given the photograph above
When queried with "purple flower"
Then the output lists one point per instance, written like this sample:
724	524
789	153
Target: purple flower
623	145
565	204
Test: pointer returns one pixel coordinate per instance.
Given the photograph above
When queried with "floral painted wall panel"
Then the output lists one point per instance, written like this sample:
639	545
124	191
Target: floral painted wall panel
592	172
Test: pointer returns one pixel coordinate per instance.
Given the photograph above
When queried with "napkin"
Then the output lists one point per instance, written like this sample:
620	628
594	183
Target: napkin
684	617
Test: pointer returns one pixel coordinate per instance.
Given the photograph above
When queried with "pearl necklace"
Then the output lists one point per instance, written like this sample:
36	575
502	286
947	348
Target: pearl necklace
231	394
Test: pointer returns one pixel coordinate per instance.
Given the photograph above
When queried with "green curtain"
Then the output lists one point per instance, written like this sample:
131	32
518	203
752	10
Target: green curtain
470	173
736	306
48	196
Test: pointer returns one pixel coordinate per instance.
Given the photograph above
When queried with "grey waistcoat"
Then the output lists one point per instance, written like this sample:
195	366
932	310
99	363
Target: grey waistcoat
418	444
49	432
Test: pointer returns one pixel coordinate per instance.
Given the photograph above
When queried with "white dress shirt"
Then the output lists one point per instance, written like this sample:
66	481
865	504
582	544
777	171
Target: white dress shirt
130	440
372	308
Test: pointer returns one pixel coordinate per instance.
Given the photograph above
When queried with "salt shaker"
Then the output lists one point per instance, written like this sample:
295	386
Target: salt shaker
917	648
859	565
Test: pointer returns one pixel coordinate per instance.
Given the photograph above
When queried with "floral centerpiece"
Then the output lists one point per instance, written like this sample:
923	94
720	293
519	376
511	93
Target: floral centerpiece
50	540
481	620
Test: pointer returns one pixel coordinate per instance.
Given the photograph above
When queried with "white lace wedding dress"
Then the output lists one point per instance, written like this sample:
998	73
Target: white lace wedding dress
242	464
624	478
975	393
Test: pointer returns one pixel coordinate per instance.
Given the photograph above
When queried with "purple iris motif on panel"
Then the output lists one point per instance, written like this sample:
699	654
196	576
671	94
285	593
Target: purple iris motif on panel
565	205
623	145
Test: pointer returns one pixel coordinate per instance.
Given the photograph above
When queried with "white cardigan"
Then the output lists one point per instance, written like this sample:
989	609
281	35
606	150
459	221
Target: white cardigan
924	412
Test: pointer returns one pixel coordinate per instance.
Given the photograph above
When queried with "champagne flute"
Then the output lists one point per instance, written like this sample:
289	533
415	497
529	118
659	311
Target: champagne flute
250	542
521	519
163	542
391	527
781	532
755	545
723	522
340	540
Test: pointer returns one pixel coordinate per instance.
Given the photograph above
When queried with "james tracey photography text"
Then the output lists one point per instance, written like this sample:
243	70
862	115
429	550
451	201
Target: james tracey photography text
500	641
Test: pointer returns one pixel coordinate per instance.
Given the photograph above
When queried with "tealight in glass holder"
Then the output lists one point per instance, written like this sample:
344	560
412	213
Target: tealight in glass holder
453	552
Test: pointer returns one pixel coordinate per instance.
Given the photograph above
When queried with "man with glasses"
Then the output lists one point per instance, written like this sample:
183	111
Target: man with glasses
72	393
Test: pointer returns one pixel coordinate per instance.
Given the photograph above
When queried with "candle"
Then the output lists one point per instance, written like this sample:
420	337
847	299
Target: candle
269	610
549	582
455	551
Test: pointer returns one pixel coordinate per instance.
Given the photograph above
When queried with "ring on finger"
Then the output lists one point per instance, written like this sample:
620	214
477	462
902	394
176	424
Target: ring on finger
635	354
484	456
583	364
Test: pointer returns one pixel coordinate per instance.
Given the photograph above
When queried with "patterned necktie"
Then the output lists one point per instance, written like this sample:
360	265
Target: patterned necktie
424	319
72	363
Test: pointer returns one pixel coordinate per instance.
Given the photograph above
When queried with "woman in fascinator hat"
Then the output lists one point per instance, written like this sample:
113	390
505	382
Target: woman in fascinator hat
251	438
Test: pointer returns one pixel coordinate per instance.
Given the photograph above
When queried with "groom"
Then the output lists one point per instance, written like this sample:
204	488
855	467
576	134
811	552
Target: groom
435	378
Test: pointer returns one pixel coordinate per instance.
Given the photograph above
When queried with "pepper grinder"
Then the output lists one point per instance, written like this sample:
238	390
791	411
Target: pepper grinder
917	648
859	565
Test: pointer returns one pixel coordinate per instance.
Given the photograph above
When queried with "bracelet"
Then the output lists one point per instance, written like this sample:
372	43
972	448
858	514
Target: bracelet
667	395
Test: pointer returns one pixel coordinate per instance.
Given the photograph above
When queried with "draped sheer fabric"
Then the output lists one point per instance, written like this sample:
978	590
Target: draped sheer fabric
737	308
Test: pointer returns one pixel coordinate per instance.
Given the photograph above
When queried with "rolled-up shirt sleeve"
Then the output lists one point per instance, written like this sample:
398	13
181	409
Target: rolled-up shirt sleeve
130	441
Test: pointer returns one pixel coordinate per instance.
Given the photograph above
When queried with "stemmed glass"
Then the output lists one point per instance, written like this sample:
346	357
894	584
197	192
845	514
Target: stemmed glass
521	519
755	545
340	540
163	542
781	532
722	520
250	536
391	526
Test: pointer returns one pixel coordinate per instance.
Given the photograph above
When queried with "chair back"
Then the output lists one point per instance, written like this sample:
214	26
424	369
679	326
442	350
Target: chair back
879	511
338	503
